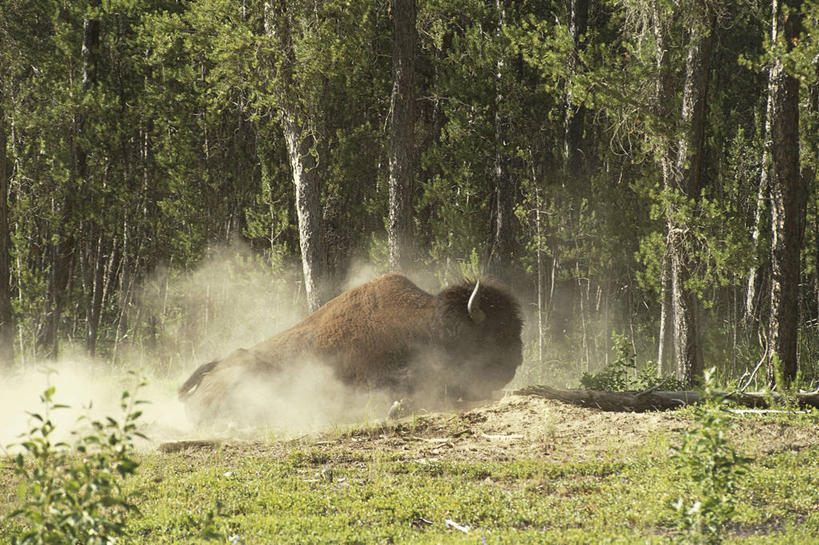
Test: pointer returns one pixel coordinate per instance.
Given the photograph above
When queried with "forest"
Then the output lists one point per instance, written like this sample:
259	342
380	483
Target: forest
643	174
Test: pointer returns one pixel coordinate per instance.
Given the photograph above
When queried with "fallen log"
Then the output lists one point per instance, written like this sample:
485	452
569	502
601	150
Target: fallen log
659	400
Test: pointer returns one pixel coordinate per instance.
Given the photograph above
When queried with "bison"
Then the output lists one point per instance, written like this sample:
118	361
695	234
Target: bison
386	335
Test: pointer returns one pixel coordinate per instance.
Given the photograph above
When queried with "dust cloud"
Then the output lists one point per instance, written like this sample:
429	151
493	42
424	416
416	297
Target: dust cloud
305	397
90	390
183	319
232	300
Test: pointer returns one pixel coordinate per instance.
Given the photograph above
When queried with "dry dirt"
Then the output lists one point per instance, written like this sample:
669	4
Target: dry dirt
525	427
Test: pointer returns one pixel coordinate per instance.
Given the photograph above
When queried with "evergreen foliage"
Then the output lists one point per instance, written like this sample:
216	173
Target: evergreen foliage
178	148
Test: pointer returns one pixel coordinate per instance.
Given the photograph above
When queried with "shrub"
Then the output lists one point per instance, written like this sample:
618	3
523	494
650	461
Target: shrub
622	375
710	470
72	494
618	375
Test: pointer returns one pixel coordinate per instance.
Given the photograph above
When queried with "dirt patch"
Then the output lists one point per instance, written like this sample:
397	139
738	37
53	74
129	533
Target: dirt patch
515	427
530	427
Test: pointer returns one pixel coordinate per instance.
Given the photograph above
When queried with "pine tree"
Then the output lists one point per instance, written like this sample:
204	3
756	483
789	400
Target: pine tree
280	25
7	322
402	142
686	182
787	195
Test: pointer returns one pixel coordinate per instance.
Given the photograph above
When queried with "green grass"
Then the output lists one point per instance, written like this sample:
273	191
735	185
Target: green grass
327	496
346	491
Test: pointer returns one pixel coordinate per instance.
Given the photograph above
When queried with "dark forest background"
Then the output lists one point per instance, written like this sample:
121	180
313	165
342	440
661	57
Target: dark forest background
643	173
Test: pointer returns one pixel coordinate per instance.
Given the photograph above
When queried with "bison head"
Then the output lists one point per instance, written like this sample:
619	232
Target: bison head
478	327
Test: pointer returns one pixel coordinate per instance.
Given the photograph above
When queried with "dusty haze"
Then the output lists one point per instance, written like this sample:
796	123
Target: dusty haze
231	301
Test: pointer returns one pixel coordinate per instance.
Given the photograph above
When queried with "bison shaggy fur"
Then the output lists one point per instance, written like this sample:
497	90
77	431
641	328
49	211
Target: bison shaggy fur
386	335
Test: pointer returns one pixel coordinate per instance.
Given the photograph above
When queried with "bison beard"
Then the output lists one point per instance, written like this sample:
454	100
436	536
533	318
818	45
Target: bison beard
387	335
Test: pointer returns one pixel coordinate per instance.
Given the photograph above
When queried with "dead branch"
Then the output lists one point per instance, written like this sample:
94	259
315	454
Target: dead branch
452	524
495	436
659	400
177	446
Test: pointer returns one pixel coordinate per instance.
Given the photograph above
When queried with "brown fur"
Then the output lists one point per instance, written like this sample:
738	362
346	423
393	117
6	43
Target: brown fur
387	334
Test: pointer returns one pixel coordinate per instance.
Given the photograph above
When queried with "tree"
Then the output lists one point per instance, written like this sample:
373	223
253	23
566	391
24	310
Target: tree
7	324
787	194
69	232
563	140
686	182
662	111
402	131
574	117
503	236
300	150
810	168
299	136
762	196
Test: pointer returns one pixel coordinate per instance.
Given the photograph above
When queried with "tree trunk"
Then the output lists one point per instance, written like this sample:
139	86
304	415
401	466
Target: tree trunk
301	151
7	324
500	258
402	142
503	239
66	245
300	147
125	292
94	308
90	48
541	274
686	182
810	174
665	310
662	98
574	116
751	292
787	199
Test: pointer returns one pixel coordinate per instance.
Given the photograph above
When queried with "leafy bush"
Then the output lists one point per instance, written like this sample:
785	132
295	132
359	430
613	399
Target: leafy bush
618	375
710	468
72	494
622	375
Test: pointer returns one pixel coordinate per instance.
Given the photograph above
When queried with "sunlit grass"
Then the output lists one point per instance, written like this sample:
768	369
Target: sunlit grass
310	491
327	496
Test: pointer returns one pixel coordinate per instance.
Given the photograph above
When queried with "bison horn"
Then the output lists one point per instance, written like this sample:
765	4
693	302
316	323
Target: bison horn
474	305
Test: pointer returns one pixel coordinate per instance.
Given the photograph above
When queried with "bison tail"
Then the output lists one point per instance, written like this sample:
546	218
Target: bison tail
191	385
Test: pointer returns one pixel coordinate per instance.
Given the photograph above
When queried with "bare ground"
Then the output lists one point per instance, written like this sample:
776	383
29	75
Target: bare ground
526	427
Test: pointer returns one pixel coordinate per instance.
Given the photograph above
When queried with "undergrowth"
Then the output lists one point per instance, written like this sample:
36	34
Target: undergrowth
349	490
72	493
623	375
710	469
